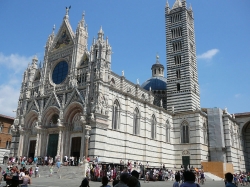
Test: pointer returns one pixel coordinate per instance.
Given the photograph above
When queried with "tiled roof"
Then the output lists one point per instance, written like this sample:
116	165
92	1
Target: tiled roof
8	117
242	114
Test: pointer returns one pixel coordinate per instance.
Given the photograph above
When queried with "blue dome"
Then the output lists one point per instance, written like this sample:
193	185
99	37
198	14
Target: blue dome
156	83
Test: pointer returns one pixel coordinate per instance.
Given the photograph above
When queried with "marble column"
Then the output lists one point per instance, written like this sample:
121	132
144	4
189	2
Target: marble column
37	144
59	142
87	128
21	143
85	161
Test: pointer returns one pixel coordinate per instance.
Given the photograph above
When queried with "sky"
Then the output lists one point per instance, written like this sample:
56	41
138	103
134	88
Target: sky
136	32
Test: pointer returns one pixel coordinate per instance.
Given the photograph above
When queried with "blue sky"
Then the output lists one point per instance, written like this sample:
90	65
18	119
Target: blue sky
136	32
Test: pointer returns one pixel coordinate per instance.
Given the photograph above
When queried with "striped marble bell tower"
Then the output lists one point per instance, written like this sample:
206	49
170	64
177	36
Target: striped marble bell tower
182	76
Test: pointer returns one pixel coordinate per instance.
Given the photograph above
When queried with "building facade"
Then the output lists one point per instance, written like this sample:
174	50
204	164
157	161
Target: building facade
74	103
5	136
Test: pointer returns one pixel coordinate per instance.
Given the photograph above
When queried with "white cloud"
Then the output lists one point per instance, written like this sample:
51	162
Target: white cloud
209	54
8	99
14	61
12	68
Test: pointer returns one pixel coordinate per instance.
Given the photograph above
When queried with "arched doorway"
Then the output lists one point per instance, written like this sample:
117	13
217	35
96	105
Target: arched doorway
246	139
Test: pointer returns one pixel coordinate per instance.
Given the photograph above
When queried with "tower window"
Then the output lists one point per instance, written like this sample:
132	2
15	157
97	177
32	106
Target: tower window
185	133
153	127
194	88
177	46
175	18
178	87
178	74
177	59
176	32
116	115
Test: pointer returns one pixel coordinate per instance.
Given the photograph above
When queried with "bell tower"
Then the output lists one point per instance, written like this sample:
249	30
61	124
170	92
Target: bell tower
182	76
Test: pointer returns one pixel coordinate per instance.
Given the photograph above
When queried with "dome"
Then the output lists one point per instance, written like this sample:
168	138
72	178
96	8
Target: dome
156	83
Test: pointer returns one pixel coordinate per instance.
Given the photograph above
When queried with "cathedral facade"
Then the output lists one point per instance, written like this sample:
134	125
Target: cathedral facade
74	104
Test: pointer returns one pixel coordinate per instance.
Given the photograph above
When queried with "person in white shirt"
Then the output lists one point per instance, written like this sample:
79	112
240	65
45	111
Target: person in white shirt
36	171
21	174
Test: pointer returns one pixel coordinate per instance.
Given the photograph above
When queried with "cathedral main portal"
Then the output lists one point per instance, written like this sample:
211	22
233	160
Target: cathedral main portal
76	147
52	145
32	148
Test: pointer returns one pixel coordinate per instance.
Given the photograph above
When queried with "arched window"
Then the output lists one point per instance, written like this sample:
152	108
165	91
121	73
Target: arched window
136	121
178	87
116	115
185	133
205	133
167	132
153	127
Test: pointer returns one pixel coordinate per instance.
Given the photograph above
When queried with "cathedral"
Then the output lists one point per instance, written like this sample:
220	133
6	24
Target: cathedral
75	105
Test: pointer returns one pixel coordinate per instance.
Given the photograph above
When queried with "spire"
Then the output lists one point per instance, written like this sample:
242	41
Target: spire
34	61
101	31
82	22
167	4
100	34
190	7
177	4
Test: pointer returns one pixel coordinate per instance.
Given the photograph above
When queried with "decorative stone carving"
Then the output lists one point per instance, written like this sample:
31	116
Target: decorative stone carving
185	152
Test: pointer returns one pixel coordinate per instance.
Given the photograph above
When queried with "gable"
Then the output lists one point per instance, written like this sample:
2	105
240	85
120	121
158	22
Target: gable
52	101
64	36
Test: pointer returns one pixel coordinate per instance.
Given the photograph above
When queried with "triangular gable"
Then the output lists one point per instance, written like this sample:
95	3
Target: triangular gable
75	97
64	36
33	105
53	101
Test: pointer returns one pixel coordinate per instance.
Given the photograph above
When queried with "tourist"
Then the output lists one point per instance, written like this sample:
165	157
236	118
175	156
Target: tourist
229	180
21	174
123	180
132	182
58	165
30	171
51	170
1	175
177	180
46	160
105	181
135	174
85	183
147	176
189	180
26	179
36	171
35	160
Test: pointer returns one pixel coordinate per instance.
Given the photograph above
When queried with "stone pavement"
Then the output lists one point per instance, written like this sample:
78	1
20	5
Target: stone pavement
72	176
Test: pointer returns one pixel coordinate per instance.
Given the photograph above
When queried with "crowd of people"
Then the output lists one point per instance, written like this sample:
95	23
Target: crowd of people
122	174
15	176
